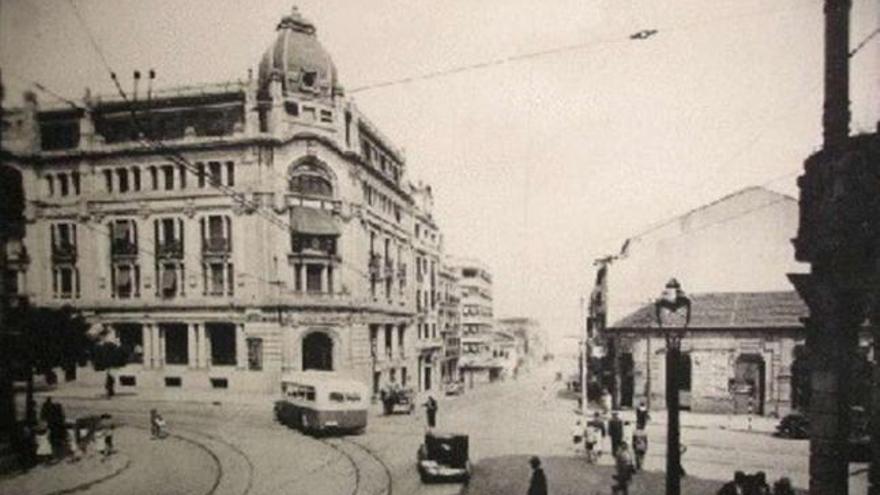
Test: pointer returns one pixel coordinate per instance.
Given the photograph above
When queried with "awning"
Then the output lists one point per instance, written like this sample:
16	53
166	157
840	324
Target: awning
311	221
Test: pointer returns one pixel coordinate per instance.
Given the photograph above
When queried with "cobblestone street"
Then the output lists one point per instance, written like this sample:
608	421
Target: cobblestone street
235	447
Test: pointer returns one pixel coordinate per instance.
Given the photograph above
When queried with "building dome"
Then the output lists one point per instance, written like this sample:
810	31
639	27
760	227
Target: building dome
298	60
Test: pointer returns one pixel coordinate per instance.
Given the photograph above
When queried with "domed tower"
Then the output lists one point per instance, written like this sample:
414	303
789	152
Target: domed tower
298	61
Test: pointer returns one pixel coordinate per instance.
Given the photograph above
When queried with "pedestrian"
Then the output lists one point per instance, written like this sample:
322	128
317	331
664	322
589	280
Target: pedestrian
594	434
43	445
759	484
538	482
615	431
577	434
72	444
640	447
624	469
431	410
57	429
783	487
735	487
157	424
108	440
46	410
642	416
110	385
606	400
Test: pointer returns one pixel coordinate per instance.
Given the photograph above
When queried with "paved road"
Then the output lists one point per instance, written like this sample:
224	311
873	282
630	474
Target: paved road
238	449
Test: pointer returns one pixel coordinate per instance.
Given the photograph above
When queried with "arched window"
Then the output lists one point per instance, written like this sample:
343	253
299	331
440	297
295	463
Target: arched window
310	179
317	352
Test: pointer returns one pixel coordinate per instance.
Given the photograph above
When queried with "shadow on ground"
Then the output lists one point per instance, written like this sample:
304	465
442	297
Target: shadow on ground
569	475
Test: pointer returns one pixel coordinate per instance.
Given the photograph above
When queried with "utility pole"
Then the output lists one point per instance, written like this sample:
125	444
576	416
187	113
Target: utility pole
585	358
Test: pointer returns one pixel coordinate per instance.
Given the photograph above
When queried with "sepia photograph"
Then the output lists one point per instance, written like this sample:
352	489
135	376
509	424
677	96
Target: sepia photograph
457	247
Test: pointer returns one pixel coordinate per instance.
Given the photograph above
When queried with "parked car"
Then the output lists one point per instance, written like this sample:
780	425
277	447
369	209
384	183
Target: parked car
444	458
396	399
454	388
794	425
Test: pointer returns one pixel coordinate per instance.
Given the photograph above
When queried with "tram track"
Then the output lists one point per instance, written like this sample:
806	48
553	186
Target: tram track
361	468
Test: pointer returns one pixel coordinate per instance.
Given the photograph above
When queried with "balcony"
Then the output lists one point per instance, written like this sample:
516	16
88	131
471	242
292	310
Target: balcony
217	246
375	267
170	249
64	253
123	248
389	268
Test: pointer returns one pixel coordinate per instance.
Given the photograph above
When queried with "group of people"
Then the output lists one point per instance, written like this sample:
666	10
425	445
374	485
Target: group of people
755	484
629	456
53	437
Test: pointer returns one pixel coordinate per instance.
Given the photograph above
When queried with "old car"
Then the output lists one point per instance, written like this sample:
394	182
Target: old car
398	399
443	457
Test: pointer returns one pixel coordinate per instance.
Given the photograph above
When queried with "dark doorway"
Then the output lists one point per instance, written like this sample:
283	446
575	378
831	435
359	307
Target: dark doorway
222	336
627	379
317	349
748	384
176	342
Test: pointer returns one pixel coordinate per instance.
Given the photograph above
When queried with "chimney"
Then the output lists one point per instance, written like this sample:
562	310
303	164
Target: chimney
836	116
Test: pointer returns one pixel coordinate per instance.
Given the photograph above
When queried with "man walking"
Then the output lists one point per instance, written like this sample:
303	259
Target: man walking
624	468
431	410
640	446
642	416
615	431
595	433
538	483
110	385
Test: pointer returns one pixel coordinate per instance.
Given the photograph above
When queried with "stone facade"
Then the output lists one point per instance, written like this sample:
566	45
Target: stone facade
225	234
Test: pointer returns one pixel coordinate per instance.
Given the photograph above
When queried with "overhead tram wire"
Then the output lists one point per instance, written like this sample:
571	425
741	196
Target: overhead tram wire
581	46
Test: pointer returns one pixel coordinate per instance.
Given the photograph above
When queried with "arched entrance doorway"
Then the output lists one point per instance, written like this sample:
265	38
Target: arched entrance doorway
317	352
748	384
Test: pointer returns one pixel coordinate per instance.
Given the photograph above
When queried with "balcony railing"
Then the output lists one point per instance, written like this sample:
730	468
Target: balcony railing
170	249
216	245
375	267
123	248
64	252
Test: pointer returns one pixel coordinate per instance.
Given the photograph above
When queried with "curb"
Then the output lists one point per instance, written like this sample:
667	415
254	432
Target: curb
90	484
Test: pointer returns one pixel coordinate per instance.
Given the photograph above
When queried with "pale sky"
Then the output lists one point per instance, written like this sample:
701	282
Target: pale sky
538	165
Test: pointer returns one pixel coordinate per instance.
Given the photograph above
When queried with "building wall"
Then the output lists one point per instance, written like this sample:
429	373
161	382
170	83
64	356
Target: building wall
372	202
714	354
740	243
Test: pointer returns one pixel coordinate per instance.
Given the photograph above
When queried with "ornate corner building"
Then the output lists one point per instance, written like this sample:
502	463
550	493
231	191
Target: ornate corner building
225	234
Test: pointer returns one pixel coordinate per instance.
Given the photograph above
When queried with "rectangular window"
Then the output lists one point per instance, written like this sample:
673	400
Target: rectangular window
219	383
122	177
75	180
255	353
313	278
216	279
326	116
154	178
127	381
181	171
230	174
173	381
65	281
50	185
136	178
222	343
108	180
389	335
168	175
176	342
200	167
215	171
124	281
374	339
64	184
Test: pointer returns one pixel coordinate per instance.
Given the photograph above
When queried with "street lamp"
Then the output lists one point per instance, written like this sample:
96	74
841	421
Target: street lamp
673	312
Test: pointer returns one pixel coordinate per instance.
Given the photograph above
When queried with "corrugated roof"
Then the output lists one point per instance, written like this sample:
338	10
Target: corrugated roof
730	310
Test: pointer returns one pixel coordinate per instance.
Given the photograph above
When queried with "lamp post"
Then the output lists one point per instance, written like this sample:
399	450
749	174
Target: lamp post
673	312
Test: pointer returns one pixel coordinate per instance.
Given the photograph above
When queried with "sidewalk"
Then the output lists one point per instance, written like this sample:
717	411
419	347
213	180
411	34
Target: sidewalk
705	421
66	477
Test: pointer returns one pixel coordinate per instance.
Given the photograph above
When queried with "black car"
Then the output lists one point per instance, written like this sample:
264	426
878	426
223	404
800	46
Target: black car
444	457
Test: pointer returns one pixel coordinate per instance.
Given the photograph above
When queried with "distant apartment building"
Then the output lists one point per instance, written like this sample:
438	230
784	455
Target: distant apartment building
225	234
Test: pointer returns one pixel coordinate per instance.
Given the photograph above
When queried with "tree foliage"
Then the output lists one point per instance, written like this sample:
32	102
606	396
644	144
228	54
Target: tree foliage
47	338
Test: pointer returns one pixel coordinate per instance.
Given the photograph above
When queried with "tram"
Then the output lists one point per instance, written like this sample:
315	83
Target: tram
319	401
